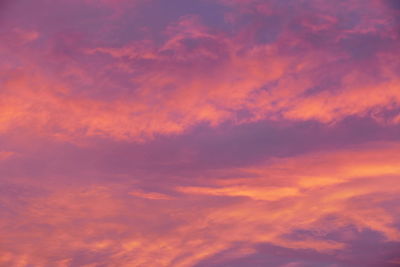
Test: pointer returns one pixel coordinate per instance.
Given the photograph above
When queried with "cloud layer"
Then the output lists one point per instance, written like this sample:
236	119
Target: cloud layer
199	133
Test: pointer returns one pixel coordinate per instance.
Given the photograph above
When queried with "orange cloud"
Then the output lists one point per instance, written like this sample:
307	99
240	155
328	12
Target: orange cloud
256	193
278	199
200	75
140	77
149	195
5	154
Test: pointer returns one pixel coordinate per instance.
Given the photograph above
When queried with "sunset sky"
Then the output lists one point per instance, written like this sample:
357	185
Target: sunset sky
199	133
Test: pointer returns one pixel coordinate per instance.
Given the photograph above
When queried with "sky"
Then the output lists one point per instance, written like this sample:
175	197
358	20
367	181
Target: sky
199	133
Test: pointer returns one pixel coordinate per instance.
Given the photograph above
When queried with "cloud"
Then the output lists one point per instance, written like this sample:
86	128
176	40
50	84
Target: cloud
314	69
319	195
149	195
6	154
263	132
254	193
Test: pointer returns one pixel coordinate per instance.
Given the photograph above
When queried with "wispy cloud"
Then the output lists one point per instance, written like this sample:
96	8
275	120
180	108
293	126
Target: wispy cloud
199	133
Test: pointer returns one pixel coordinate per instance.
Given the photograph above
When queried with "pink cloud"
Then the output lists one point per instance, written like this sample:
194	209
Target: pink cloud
224	78
136	133
330	192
